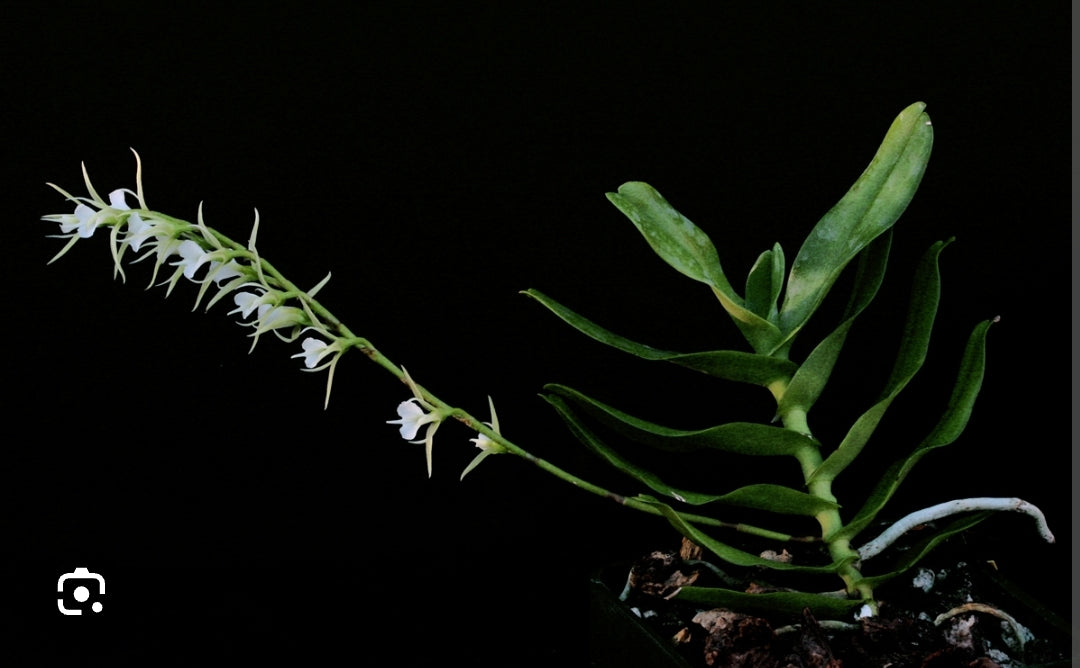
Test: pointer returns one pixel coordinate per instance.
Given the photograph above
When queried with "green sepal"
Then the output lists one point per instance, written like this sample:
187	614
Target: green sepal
810	379
788	604
947	430
689	250
747	438
925	296
735	365
871	206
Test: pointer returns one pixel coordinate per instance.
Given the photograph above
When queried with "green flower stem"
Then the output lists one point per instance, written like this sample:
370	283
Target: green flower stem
290	290
214	241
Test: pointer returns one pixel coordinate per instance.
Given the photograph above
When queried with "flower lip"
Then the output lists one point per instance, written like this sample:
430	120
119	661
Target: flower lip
246	302
192	256
415	413
412	417
314	351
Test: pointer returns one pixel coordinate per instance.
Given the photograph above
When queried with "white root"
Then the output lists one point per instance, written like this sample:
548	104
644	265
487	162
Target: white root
1014	626
902	526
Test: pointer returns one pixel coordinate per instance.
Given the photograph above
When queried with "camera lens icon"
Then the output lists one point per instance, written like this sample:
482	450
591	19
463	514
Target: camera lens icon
79	585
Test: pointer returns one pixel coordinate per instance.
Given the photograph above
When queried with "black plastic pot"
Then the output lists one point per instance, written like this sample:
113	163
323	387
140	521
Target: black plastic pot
618	636
621	638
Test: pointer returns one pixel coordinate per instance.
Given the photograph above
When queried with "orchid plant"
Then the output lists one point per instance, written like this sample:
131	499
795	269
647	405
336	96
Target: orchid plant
770	314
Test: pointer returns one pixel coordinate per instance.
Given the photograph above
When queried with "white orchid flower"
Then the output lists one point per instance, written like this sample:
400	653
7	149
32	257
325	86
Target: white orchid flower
314	351
192	256
486	445
82	222
246	302
415	413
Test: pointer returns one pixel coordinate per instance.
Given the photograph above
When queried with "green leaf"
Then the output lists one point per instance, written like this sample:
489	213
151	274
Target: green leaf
733	365
777	499
764	283
598	447
739	366
734	555
685	247
790	604
809	381
925	295
671	235
773	498
871	206
748	438
946	431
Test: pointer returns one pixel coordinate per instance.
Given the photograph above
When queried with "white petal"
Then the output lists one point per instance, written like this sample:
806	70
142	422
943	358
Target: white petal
245	303
230	270
88	220
192	257
118	200
137	231
314	350
412	418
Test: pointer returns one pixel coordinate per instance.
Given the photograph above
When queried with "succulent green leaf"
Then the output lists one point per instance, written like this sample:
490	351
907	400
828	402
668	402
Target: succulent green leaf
777	499
734	555
735	365
809	381
915	554
748	438
671	235
608	454
790	604
773	498
925	295
946	431
738	366
871	206
764	283
689	250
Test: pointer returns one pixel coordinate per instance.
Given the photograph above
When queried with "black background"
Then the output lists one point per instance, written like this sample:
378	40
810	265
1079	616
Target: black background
437	161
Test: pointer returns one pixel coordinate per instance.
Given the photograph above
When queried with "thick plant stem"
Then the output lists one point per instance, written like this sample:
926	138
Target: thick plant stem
840	549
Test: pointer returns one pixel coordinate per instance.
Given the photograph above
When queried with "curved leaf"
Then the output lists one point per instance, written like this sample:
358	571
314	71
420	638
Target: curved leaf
598	447
734	555
773	498
685	247
777	499
733	365
748	438
871	206
671	235
809	381
925	295
948	429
